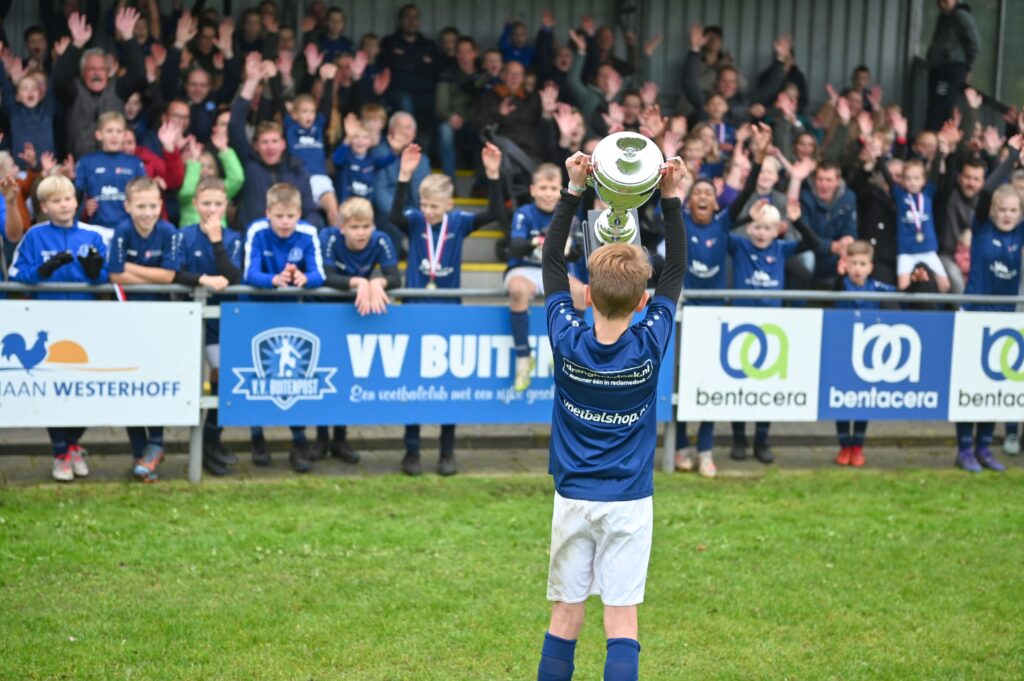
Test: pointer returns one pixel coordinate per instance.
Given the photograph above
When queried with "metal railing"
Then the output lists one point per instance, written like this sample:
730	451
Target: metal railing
202	295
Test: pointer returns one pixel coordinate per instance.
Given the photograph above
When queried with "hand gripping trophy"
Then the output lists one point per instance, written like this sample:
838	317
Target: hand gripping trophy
626	171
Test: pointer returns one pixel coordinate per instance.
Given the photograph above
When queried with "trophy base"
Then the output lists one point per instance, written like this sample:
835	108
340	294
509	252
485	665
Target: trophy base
597	227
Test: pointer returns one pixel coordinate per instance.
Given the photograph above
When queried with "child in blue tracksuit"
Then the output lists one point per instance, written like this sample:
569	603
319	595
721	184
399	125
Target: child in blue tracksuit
707	230
281	250
61	250
997	241
211	256
436	233
102	176
355	165
759	263
30	107
304	132
351	255
144	250
859	255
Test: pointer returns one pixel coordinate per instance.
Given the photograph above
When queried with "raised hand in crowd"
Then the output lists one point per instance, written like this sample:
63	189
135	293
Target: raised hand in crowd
490	156
973	98
506	107
865	123
649	93
285	62
843	110
652	123
567	122
61	46
652	44
833	96
671	143
225	37
270	22
899	124
328	72
991	140
874	96
548	100
28	155
786	106
697	38
783	46
359	63
408	162
314	58
588	25
152	69
802	169
761	138
308	23
579	40
381	82
547	18
614	118
124	22
186	30
47	163
80	30
67	168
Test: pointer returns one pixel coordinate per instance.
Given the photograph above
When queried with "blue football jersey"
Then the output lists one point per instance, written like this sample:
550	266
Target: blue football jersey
995	264
266	254
706	249
46	240
870	286
528	222
449	267
604	422
159	249
760	268
307	144
103	176
912	209
379	250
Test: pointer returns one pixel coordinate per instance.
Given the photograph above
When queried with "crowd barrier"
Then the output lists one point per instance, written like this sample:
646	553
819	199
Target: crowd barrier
129	363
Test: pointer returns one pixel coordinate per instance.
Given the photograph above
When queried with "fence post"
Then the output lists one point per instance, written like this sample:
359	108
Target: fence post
195	435
668	448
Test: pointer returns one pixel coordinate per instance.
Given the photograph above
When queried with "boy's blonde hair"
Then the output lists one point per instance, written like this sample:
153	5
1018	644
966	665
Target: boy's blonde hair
356	208
860	247
1007	191
915	163
618	279
110	117
54	187
768	215
141	184
284	194
210	184
437	186
548	171
303	99
373	111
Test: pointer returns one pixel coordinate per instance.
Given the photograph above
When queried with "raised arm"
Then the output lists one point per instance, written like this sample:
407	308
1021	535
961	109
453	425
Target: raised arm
997	178
407	166
491	157
670	283
553	267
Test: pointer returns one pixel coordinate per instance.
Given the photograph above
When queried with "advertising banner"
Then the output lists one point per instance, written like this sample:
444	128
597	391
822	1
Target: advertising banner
99	363
987	367
880	365
323	364
749	363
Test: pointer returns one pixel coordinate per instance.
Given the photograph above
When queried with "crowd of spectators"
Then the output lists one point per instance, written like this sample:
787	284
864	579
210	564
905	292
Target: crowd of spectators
103	98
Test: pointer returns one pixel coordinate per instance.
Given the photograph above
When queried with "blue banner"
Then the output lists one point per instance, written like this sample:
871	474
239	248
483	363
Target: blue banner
885	365
323	364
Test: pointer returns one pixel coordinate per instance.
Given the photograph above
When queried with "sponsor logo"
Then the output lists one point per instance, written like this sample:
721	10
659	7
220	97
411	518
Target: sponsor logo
610	418
886	353
619	379
285	369
755	349
295	255
1002	354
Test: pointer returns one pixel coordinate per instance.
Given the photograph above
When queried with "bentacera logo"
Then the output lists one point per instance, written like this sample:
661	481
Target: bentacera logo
285	369
1002	354
886	353
758	357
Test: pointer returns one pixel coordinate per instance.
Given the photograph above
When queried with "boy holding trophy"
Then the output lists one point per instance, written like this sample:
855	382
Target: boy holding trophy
604	425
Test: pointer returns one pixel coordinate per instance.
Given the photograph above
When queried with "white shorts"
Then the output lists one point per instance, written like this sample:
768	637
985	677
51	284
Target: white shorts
600	548
534	274
906	262
320	185
212	353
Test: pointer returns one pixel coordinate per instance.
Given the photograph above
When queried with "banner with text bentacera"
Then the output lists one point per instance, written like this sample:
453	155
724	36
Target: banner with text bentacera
880	365
99	363
749	363
988	367
323	364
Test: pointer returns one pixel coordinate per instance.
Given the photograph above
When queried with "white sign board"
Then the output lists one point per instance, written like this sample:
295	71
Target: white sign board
749	359
99	363
987	379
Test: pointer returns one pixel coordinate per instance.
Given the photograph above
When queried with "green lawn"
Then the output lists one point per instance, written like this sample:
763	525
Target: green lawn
823	575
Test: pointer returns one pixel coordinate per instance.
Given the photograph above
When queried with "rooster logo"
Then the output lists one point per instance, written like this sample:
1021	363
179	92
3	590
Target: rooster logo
14	345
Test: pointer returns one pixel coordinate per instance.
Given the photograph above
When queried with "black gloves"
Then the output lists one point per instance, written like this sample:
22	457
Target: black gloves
47	269
92	263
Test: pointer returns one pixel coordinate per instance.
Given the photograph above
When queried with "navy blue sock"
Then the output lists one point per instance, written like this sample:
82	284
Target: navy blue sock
965	435
623	660
985	433
58	440
843	432
138	440
156	436
860	428
705	436
521	333
256	433
556	659
1012	428
323	433
761	433
739	437
298	434
682	441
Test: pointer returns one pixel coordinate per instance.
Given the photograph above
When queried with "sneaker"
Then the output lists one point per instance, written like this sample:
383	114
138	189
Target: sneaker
987	459
843	457
62	470
216	451
684	463
763	453
298	457
411	464
706	468
78	465
145	466
738	451
857	456
524	372
1011	444
212	463
342	450
318	450
260	453
966	460
446	465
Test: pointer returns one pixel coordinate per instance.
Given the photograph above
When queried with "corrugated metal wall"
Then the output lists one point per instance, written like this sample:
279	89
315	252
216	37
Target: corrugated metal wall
830	37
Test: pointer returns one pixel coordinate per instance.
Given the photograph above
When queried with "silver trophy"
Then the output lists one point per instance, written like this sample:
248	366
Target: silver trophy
627	170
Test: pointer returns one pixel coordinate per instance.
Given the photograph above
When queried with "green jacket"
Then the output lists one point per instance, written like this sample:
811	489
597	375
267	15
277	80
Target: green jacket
234	178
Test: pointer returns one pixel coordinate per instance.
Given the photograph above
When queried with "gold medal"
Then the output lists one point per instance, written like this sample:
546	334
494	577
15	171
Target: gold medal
431	285
920	237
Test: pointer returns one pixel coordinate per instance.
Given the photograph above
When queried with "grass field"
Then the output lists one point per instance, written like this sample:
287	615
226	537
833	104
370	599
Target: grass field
812	575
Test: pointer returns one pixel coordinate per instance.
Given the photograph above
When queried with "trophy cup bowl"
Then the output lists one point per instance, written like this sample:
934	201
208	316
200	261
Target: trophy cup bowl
627	170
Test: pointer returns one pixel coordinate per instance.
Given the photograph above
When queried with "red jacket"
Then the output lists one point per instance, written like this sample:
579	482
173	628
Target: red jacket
168	166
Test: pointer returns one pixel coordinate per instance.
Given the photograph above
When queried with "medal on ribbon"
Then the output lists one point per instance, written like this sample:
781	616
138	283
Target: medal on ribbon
917	215
434	252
